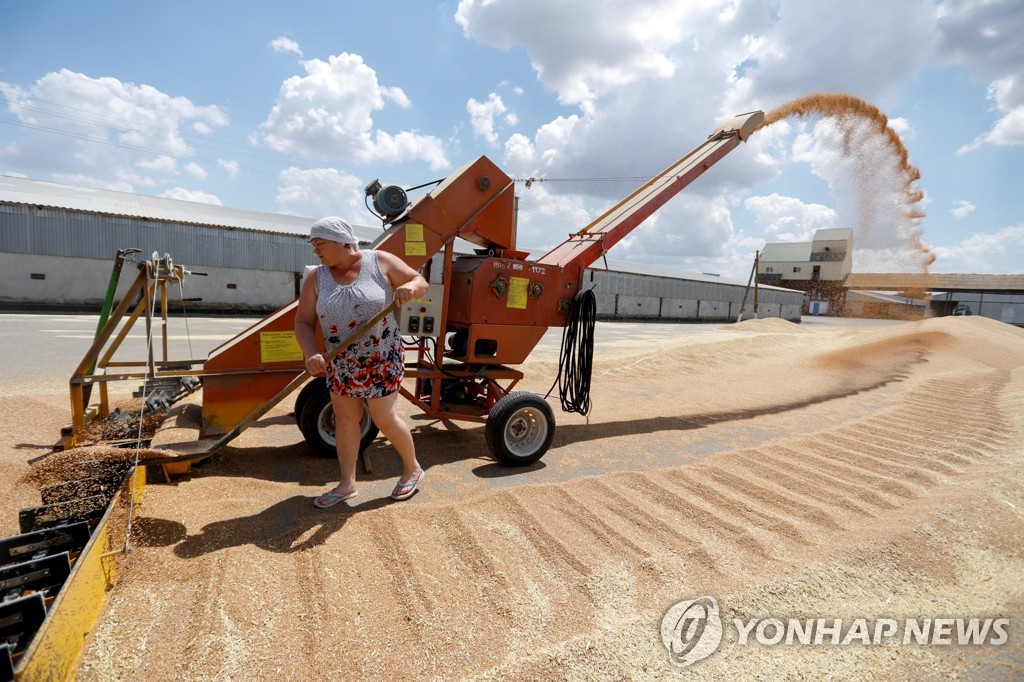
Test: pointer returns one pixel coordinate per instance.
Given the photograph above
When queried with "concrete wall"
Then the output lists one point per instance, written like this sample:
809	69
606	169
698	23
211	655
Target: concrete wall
784	269
605	304
713	310
638	306
56	280
835	272
624	295
678	308
630	307
790	311
833	269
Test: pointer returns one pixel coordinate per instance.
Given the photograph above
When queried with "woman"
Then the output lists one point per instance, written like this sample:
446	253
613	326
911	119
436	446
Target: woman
346	290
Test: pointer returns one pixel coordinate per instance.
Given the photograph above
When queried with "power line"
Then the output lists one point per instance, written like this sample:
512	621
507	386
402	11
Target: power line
529	181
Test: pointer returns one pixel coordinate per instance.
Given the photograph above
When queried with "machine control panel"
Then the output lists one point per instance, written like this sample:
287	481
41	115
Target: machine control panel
422	316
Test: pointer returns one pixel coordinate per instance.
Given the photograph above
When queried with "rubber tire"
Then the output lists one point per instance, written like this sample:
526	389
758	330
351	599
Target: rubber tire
312	386
316	420
509	415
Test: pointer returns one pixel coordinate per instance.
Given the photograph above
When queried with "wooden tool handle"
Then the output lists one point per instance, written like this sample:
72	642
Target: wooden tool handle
299	380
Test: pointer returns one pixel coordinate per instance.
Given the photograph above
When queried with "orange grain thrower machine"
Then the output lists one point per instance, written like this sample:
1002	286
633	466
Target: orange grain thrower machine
492	308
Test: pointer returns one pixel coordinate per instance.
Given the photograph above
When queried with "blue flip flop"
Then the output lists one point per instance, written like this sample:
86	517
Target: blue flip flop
331	498
404	489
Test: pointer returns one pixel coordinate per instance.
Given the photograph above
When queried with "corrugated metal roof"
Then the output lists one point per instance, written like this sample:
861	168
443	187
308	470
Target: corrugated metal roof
51	195
878	281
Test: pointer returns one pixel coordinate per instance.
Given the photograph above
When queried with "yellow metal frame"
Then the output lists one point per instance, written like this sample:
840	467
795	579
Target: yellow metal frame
149	285
53	652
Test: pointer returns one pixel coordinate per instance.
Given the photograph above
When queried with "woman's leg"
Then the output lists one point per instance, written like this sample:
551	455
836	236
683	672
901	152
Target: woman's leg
384	413
348	412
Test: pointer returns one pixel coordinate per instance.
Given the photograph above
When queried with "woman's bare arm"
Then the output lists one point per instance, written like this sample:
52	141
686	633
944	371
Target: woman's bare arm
305	328
407	283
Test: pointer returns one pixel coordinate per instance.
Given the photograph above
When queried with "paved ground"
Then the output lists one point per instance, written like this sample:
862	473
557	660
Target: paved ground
43	349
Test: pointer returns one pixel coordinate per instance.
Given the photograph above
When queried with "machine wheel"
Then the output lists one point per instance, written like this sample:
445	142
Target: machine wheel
312	386
520	428
316	420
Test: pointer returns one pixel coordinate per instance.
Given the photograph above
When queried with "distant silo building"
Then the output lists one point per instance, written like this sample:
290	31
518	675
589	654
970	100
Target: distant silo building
819	267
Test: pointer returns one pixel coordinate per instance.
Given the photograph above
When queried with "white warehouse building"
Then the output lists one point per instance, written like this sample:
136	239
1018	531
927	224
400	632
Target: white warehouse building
57	248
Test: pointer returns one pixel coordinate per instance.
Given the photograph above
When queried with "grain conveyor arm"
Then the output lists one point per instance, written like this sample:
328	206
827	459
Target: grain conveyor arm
586	246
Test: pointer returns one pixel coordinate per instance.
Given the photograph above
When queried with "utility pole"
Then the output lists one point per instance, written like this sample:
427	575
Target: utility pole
757	258
753	273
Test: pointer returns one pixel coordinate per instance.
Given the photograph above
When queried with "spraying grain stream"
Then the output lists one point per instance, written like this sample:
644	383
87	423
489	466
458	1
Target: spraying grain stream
868	143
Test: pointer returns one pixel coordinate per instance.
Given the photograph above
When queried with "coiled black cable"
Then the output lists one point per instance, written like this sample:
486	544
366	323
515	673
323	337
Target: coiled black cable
577	356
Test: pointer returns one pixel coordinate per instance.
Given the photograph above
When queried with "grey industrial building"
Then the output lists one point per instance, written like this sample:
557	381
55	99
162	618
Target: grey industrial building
819	267
823	268
57	245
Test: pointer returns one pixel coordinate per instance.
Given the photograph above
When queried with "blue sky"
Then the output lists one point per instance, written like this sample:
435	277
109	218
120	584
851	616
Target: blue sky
295	107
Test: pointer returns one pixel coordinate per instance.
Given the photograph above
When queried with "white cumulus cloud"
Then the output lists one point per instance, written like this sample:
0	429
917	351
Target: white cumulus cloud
328	114
231	167
578	49
195	169
319	192
545	220
684	233
190	195
984	252
807	46
283	44
985	37
1007	95
961	209
102	132
482	115
160	163
788	219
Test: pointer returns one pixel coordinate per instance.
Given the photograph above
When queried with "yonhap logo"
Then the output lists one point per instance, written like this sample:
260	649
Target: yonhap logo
691	631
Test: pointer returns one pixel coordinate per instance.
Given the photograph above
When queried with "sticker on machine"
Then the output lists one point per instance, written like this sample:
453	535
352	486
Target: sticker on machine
413	232
517	293
279	347
414	244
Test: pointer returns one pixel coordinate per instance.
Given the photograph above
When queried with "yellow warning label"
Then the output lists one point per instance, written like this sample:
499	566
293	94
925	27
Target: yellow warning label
415	249
279	347
413	232
517	293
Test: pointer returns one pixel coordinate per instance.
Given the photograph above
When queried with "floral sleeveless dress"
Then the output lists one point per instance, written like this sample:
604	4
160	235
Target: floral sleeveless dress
372	366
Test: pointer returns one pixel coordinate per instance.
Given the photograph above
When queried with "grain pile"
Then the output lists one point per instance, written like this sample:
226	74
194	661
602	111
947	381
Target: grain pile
98	457
123	423
827	472
84	462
